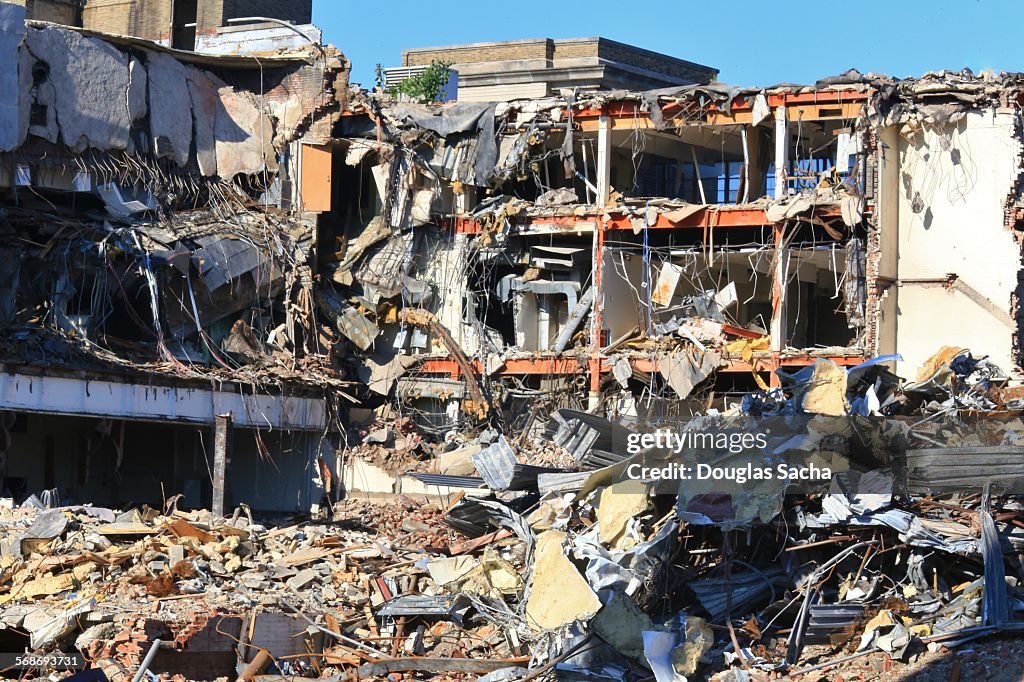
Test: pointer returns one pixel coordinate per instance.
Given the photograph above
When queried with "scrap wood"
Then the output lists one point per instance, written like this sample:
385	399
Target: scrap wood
182	528
258	664
476	543
306	555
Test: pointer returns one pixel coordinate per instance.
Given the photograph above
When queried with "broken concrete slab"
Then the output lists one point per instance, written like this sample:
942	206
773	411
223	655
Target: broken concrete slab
559	594
202	90
827	392
89	79
302	579
619	503
13	111
170	123
244	135
621	623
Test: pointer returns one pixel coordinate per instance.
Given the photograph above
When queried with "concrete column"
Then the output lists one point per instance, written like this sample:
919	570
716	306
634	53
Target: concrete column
222	442
604	160
781	151
781	274
887	219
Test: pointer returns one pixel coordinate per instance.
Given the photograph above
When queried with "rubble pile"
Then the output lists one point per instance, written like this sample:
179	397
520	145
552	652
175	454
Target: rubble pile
911	544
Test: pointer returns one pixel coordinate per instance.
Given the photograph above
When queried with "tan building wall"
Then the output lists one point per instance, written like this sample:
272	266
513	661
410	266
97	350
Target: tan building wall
481	52
65	12
954	183
149	19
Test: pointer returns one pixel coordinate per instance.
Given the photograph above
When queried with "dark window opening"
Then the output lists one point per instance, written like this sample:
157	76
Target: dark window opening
184	36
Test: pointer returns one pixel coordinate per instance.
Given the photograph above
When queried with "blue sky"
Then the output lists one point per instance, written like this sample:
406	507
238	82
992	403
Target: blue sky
751	43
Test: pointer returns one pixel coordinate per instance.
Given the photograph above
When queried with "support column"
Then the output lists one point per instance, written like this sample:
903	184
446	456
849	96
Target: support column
881	311
596	316
222	442
604	160
780	275
781	151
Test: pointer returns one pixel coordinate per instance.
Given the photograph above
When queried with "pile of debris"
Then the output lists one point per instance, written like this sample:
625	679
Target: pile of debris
596	564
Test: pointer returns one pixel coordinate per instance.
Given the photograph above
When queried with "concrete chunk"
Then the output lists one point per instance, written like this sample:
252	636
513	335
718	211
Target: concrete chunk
202	89
244	135
170	110
302	579
559	595
88	81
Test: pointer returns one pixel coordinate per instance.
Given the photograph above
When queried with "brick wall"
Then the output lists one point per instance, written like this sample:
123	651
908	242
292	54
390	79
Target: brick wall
209	15
67	12
652	61
481	52
570	49
149	19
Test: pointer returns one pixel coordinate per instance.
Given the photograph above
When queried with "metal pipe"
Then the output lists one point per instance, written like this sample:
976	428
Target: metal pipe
147	660
575	319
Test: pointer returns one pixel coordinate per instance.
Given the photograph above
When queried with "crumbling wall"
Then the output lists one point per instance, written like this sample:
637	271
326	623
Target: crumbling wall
957	264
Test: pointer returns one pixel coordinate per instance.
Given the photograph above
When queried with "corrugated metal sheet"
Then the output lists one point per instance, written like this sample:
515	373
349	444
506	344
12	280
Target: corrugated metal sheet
420	605
449	481
935	470
829	622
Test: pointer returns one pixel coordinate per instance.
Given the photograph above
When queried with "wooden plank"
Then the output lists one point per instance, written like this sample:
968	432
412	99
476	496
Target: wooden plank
182	528
483	540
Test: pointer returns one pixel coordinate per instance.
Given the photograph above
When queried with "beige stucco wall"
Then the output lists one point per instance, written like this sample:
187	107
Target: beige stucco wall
960	230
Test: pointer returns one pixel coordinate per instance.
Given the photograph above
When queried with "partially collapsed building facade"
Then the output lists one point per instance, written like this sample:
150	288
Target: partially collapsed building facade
231	280
670	251
156	275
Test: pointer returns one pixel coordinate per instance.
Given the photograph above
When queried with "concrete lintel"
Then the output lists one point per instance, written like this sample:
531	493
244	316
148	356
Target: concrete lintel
101	398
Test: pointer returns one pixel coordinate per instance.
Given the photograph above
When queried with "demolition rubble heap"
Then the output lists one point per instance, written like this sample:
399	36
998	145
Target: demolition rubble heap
575	568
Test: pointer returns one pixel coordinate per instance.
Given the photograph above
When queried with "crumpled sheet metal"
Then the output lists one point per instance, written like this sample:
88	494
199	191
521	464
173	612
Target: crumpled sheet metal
467	118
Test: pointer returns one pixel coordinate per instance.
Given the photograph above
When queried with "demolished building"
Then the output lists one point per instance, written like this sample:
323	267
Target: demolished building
156	270
230	282
642	246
